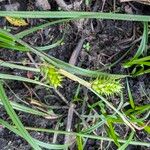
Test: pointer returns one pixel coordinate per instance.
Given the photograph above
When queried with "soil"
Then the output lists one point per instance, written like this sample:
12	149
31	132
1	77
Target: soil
109	40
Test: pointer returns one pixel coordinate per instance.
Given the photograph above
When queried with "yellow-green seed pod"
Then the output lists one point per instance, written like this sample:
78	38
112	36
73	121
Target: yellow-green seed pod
107	86
52	75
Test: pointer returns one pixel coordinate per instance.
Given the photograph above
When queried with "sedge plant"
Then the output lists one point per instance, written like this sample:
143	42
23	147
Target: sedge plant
102	84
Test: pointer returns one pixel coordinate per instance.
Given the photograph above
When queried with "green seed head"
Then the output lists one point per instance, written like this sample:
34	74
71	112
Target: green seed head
52	75
107	86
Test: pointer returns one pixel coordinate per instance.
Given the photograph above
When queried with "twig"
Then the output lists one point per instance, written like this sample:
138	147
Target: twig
76	51
55	134
76	5
69	139
140	128
32	60
63	5
103	4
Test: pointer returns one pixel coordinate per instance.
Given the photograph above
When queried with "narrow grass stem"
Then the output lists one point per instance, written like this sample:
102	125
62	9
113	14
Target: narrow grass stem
75	78
87	136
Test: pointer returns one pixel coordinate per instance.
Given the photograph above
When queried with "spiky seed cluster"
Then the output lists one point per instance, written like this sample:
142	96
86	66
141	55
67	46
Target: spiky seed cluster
53	77
107	86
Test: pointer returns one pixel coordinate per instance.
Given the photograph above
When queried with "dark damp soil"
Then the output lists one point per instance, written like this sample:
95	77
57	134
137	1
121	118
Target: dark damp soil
109	41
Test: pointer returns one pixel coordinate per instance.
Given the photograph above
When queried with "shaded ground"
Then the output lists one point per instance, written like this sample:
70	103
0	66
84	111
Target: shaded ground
108	41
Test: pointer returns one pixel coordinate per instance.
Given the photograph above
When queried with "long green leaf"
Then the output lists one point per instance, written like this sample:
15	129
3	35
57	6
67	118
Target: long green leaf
87	136
15	119
79	143
13	47
142	48
112	133
74	14
40	143
31	30
144	41
26	109
16	66
18	78
48	47
130	96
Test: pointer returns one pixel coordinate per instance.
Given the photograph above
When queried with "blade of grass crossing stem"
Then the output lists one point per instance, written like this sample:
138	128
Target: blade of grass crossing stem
16	66
130	95
6	40
16	120
14	47
74	14
60	64
26	109
142	48
40	143
112	133
147	58
79	142
141	73
48	47
34	29
143	45
113	108
87	136
18	78
124	146
94	127
138	110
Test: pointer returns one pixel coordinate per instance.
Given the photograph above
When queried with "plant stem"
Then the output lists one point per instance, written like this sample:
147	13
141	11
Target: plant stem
87	136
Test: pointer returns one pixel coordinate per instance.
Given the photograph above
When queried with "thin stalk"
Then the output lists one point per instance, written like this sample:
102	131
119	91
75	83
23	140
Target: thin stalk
16	66
87	136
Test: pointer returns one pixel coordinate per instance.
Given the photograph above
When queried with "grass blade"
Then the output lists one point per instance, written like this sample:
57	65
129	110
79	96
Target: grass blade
40	143
123	147
26	109
16	66
79	143
48	47
112	133
87	136
14	47
18	78
15	119
74	14
34	29
144	41
142	48
130	95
